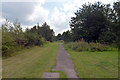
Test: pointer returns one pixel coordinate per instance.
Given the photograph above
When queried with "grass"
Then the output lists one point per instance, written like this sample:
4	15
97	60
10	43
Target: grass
62	74
31	63
95	64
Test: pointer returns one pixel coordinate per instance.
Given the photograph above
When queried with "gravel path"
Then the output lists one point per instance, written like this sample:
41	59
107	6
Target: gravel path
64	63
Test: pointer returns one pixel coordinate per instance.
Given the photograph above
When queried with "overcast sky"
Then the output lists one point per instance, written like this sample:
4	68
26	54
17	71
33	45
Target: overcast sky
56	13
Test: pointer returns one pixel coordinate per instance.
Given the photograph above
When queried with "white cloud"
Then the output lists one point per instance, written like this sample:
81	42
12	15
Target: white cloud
39	14
58	17
2	20
23	1
59	20
75	4
26	26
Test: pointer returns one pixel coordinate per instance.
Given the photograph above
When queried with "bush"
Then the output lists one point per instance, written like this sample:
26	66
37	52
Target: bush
99	47
14	39
41	41
84	46
79	46
5	49
34	39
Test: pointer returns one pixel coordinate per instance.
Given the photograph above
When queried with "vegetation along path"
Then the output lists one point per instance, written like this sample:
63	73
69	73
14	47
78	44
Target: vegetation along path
64	63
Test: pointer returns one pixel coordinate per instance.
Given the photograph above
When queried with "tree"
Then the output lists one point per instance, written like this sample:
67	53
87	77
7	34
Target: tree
91	22
8	40
116	23
59	37
46	32
66	36
32	37
38	34
18	33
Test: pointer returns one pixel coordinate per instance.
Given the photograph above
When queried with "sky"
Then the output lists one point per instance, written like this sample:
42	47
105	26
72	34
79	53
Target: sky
57	13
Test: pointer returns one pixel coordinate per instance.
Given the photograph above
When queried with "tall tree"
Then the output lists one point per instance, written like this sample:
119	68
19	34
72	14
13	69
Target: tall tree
18	33
116	23
46	32
66	36
90	22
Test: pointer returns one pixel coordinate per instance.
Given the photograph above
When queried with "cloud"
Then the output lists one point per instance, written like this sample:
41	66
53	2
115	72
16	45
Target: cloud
29	14
26	26
20	10
59	20
23	1
38	14
58	17
57	13
73	5
76	4
2	20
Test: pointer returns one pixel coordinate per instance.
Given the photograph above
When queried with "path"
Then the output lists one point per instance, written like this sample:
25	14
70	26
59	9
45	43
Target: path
64	63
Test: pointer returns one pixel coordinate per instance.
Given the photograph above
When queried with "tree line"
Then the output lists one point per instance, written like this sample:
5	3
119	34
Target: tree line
94	23
14	38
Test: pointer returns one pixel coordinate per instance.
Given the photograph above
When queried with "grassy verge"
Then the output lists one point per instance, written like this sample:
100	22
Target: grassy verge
31	63
95	64
62	74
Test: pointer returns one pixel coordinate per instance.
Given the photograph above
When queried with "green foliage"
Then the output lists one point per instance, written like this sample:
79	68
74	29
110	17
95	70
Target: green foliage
66	36
84	46
42	41
107	37
33	39
5	49
61	41
116	24
14	39
7	39
59	37
99	47
94	22
46	32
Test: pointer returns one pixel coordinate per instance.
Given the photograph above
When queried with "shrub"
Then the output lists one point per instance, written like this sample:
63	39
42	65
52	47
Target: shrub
5	49
80	46
84	46
34	39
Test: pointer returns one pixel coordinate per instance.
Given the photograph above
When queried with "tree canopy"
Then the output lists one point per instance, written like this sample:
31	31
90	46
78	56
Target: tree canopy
93	22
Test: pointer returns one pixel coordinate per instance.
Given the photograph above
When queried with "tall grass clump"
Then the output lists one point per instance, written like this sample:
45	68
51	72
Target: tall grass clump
85	46
99	47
